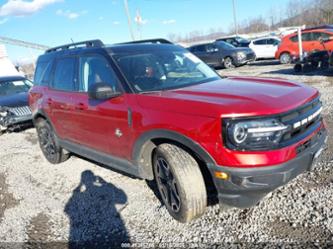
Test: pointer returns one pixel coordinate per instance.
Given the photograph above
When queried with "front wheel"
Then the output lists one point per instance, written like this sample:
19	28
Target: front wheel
180	182
48	143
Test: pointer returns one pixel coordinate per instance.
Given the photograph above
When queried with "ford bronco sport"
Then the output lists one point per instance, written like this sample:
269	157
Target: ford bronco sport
154	110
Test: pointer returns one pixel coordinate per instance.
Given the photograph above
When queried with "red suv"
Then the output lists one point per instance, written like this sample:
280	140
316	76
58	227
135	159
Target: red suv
289	49
154	110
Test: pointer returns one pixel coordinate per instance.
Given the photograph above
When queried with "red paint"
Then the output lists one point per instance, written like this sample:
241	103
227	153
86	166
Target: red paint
194	112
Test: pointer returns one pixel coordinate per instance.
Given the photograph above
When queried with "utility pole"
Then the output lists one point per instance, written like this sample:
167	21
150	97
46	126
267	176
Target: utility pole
235	18
129	20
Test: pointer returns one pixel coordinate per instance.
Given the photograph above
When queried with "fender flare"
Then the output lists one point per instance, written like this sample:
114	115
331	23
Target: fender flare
145	145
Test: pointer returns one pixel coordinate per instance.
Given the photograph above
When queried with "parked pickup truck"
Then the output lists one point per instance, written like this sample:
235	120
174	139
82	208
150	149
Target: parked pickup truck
154	110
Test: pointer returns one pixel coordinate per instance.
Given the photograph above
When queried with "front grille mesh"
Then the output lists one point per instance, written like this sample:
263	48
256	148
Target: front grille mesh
20	111
297	116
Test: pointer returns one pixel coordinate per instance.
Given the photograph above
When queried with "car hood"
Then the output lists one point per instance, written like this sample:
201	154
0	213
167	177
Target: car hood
19	99
231	97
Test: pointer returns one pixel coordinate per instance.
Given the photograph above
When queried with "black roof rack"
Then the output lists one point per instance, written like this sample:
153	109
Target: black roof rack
88	44
158	41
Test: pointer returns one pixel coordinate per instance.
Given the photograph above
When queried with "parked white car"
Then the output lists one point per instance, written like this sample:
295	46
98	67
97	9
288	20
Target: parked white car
266	47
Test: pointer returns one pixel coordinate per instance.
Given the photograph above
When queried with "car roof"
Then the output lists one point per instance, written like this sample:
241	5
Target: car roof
93	45
266	37
10	78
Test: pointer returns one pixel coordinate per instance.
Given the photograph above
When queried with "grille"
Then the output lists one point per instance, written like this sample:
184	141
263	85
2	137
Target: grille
303	121
20	111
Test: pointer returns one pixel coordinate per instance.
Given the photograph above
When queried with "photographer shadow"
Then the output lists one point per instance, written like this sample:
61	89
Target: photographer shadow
95	221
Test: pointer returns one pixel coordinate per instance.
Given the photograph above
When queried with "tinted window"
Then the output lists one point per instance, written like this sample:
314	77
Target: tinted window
201	48
294	38
225	45
273	42
305	37
43	73
210	48
96	69
64	74
260	42
320	35
161	69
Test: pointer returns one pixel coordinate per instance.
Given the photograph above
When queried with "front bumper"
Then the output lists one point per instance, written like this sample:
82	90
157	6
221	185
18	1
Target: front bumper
245	187
14	122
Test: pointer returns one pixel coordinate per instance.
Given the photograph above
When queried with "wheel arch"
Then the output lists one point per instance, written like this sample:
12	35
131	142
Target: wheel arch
147	143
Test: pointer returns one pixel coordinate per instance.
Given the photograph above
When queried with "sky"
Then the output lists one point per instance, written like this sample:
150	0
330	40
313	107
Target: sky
56	22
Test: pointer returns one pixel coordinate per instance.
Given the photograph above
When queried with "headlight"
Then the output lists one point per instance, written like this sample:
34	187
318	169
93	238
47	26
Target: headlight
253	134
241	56
3	113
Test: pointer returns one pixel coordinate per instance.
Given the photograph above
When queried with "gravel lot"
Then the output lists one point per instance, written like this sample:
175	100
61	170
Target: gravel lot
78	200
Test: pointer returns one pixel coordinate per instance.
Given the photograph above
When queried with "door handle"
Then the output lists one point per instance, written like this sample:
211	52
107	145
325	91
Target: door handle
81	107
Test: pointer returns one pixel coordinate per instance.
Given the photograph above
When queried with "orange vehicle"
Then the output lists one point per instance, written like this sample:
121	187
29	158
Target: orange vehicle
311	41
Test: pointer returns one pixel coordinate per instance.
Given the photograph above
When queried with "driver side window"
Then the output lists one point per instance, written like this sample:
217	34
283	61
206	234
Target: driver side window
96	69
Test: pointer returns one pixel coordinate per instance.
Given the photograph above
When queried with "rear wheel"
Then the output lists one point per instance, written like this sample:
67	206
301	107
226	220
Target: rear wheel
285	58
180	182
228	63
48	143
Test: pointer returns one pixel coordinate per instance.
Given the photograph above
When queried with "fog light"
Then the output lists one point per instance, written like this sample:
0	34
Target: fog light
221	175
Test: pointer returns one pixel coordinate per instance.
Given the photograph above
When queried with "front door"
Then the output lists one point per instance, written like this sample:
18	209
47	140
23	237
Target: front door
101	125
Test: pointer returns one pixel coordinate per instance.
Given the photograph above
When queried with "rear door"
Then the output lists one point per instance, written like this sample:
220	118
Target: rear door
318	36
100	124
200	51
212	55
259	48
59	97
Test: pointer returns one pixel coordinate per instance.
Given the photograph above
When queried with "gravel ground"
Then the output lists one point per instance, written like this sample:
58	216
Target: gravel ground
78	200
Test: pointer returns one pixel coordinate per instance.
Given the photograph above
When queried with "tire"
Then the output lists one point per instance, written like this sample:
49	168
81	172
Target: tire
285	58
228	63
180	182
48	143
298	68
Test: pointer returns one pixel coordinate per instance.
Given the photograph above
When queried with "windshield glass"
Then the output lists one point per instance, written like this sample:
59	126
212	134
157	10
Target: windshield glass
162	69
14	86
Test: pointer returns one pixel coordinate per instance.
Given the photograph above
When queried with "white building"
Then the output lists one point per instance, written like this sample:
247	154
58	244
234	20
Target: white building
7	68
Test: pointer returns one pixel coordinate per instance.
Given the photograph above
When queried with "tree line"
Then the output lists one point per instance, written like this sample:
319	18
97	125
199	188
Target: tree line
295	13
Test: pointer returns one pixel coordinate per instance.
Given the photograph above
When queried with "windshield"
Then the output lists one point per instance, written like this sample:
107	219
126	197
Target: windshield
14	86
162	69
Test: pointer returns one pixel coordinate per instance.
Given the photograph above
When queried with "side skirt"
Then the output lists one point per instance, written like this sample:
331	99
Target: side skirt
100	157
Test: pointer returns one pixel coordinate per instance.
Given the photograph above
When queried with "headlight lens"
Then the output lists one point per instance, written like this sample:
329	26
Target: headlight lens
254	134
241	56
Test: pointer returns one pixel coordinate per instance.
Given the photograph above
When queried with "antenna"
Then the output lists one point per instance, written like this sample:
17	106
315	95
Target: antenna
73	43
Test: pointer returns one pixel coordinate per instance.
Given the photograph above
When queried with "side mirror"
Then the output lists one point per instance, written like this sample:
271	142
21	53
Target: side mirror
102	91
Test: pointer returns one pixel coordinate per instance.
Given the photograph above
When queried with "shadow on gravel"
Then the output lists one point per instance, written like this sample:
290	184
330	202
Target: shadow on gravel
264	63
290	71
95	221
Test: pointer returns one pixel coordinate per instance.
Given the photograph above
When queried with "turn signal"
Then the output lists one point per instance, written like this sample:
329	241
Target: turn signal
221	175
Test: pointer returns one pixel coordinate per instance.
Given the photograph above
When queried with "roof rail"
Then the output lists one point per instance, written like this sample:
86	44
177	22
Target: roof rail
158	41
88	44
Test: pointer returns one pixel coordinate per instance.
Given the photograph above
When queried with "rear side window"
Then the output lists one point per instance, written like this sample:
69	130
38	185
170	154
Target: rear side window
260	42
201	48
43	73
320	35
64	74
96	69
294	38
